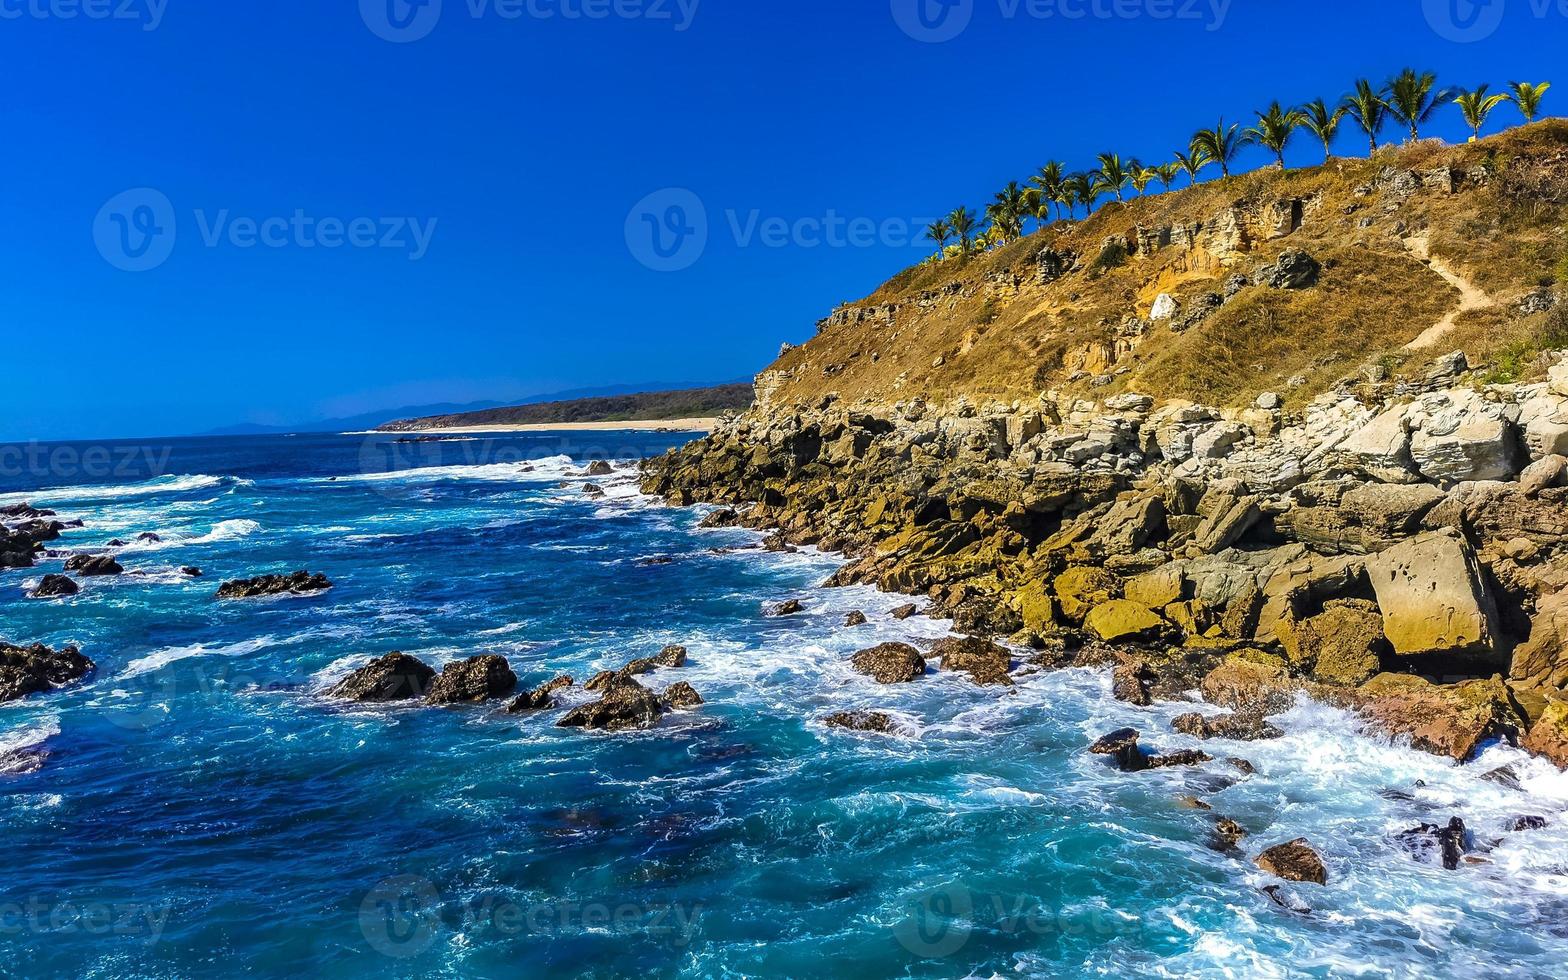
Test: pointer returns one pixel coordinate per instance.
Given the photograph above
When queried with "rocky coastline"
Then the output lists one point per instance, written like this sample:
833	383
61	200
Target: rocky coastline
1397	548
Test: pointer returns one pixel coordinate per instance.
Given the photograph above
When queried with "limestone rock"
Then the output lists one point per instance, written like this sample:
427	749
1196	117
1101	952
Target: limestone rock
1295	861
1450	720
1081	588
1434	598
1165	307
394	677
1542	662
1458	436
1250	683
1548	737
986	662
1123	620
1545	473
1341	645
890	663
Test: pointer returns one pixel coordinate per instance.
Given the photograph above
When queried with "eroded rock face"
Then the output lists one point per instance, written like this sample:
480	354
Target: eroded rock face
984	661
36	669
1542	662
1434	599
394	677
891	663
1448	719
1295	861
473	681
1342	645
299	583
1548	737
1251	683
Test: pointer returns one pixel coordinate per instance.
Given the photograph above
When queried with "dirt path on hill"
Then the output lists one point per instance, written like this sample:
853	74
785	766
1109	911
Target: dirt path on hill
1471	296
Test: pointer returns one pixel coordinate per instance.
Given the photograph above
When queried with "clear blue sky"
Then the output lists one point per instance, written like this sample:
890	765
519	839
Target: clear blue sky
529	139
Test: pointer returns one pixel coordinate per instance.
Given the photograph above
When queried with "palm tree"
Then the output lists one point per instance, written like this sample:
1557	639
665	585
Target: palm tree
1413	99
1007	210
1113	174
1367	107
1080	189
1321	121
1477	106
962	223
1528	98
939	231
1192	162
1167	173
1274	130
1049	183
1141	177
1219	144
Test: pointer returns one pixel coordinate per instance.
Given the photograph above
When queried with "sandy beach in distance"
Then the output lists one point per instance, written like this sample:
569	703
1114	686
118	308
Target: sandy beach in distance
664	425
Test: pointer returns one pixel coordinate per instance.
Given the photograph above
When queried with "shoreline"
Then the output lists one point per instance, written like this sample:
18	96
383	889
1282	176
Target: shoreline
654	425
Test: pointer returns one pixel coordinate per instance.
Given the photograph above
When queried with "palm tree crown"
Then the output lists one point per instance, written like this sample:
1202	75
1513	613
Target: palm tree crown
1528	98
1081	188
1477	106
962	223
1167	173
1274	130
1369	110
1219	144
1192	162
1321	121
939	231
1113	174
1049	183
1413	98
1008	210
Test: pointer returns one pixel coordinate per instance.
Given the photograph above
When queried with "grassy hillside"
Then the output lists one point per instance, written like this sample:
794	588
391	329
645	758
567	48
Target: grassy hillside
652	406
999	326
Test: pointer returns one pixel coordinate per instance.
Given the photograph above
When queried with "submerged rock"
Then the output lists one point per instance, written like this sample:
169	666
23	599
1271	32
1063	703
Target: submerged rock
33	670
890	663
93	566
1295	861
985	662
861	721
789	607
1449	841
299	583
680	696
1237	727
600	468
473	681
394	677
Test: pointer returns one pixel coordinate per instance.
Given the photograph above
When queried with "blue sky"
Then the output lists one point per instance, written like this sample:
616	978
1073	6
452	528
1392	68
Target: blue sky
478	175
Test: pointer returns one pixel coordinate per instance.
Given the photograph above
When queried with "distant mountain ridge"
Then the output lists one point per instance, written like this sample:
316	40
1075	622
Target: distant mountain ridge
686	403
373	420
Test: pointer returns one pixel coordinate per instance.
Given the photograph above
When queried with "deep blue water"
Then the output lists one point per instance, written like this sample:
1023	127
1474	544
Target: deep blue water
202	809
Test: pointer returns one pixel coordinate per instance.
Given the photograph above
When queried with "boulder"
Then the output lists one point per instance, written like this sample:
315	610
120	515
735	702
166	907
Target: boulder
540	698
1557	376
861	721
299	583
599	468
1294	269
1123	745
1128	683
723	517
1251	683
93	566
1121	620
904	612
985	662
1158	588
890	663
1081	588
1542	661
789	607
1165	307
1380	448
1546	473
1548	737
1434	598
856	618
1236	727
680	697
55	587
1229	517
394	677
1460	436
33	670
1296	861
473	681
1341	645
1544	419
1449	719
626	704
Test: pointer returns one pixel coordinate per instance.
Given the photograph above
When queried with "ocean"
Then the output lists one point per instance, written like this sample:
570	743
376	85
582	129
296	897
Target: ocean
200	808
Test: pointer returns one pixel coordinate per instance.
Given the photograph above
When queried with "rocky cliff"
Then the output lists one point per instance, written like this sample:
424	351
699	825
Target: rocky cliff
1290	432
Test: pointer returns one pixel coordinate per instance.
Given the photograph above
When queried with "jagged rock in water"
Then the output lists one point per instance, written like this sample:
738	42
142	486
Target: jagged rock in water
1524	824
1123	745
985	662
904	612
473	681
394	677
861	721
299	583
856	618
540	698
55	587
1450	719
599	468
1448	841
680	696
191	571
1236	727
33	670
789	607
93	566
723	517
626	704
890	663
1295	861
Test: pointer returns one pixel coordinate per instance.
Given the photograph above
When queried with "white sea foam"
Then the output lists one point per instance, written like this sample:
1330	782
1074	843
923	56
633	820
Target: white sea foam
89	494
159	659
30	735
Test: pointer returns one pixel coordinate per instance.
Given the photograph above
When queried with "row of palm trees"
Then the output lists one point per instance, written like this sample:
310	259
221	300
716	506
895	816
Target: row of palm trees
1410	100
